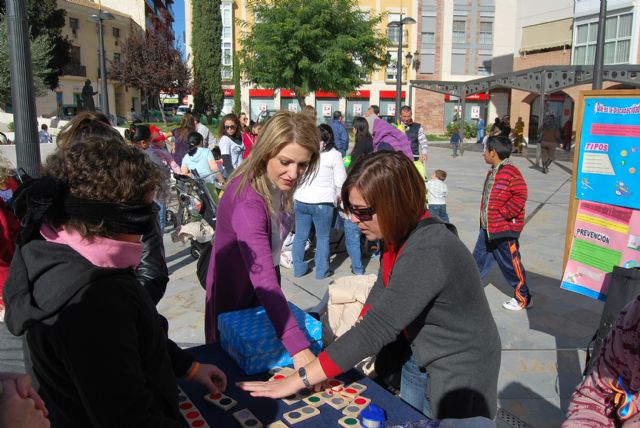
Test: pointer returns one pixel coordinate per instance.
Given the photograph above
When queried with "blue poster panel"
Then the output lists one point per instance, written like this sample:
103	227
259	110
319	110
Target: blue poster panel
609	155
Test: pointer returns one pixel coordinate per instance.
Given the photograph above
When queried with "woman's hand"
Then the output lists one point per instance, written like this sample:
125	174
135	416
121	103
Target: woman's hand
24	388
18	410
211	377
275	388
303	358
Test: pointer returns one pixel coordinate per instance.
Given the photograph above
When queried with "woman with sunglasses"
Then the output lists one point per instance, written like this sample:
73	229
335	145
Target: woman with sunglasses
230	142
428	302
254	217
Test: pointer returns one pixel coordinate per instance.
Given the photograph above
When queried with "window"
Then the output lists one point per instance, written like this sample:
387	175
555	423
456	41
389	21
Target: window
116	58
226	22
486	33
227	61
116	32
484	66
458	63
393	33
617	46
427	63
392	69
429	29
74	23
459	30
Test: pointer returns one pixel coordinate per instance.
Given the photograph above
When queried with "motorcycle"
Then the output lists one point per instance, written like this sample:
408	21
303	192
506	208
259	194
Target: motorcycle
195	216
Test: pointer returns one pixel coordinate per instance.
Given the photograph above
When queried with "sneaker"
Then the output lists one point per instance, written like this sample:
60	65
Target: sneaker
513	305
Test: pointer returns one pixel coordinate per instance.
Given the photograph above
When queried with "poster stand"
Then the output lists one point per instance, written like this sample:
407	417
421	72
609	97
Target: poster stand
604	202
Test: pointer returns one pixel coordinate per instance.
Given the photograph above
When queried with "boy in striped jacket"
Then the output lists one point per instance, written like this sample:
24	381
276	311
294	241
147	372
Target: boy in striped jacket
501	221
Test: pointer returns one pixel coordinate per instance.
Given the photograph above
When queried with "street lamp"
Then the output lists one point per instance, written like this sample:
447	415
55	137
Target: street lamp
104	98
399	24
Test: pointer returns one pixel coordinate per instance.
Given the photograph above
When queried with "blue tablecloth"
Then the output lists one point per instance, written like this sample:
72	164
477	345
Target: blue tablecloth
270	410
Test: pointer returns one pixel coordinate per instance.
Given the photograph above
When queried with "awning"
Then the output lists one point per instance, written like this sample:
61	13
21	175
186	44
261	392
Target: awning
548	35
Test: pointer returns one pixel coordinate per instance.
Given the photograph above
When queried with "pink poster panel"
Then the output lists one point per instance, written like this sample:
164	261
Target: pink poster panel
604	236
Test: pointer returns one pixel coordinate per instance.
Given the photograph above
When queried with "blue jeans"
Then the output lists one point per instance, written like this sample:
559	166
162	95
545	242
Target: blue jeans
506	253
321	216
352	242
439	210
413	387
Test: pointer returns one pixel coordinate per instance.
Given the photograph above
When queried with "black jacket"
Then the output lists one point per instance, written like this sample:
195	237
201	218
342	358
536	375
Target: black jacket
152	272
99	348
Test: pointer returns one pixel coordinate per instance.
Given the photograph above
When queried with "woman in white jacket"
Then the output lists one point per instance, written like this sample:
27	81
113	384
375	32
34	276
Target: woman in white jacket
315	203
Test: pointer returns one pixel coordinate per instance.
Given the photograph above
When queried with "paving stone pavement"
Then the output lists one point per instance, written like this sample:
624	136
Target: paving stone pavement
543	347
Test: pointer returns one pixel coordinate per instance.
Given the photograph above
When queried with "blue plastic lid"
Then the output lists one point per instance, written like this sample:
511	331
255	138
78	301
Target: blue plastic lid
372	413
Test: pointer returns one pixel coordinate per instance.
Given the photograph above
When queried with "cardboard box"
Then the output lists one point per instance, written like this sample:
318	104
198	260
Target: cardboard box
249	338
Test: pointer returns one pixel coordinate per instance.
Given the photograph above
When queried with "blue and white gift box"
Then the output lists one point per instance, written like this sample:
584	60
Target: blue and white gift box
249	338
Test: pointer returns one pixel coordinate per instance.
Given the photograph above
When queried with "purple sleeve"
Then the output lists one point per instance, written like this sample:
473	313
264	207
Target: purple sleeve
251	224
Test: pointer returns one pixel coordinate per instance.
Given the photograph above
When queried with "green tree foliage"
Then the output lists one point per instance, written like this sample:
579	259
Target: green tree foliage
41	48
311	45
46	19
207	57
237	104
152	63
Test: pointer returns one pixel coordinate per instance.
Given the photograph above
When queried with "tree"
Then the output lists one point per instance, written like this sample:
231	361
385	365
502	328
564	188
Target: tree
311	45
45	19
41	48
151	62
237	105
207	57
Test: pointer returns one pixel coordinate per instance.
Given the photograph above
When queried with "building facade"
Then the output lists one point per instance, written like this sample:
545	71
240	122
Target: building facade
129	15
378	89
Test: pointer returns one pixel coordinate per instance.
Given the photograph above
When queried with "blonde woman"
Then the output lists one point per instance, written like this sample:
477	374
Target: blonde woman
253	218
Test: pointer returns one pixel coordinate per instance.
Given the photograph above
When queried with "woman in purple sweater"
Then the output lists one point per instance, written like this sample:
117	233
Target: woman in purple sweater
254	216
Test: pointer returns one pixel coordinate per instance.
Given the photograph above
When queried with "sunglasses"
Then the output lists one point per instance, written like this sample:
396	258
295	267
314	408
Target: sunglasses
362	214
229	127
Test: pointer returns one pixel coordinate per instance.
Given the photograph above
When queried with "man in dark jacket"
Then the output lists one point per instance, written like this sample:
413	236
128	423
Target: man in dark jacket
339	133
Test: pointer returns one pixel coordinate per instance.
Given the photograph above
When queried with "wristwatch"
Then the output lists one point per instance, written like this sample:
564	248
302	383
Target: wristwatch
303	375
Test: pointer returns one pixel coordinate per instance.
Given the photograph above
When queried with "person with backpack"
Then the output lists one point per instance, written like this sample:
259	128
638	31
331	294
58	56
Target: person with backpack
436	314
98	347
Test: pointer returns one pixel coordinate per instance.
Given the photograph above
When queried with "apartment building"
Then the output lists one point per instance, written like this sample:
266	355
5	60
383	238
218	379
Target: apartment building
461	40
379	88
85	51
563	32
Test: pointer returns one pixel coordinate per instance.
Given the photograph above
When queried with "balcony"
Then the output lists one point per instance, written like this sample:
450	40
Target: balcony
75	70
393	34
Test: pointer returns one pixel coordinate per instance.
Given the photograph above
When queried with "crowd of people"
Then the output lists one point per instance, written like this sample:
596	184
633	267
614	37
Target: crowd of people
81	251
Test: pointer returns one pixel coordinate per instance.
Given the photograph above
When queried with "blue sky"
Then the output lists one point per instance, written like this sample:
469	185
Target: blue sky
178	22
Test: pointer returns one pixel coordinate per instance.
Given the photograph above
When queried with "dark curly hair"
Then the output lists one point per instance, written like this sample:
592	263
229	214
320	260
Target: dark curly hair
95	163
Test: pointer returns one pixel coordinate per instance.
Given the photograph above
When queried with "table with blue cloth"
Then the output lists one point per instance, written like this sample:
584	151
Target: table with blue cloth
269	410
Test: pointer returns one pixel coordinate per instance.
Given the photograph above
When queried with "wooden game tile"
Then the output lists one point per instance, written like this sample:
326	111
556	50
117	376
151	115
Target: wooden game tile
335	385
286	371
247	419
349	393
317	399
358	387
277	424
349	422
337	402
300	395
301	414
356	406
223	401
189	411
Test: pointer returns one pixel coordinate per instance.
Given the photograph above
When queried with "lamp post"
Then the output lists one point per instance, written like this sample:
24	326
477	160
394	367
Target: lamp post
599	59
104	98
399	24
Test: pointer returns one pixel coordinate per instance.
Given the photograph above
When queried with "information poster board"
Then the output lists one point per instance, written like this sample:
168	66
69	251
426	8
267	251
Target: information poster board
609	159
603	225
603	236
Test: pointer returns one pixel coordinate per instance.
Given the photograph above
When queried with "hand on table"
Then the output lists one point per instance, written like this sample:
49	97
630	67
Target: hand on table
20	405
279	388
211	377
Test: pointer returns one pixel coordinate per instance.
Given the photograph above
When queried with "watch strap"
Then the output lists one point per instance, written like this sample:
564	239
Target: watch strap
303	375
